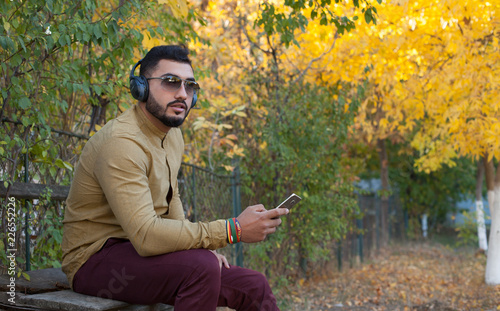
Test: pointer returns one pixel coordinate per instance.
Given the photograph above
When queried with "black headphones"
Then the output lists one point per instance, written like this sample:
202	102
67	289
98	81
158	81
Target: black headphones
139	87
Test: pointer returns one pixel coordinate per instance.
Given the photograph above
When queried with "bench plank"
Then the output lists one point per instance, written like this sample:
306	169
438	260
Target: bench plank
69	300
48	289
41	281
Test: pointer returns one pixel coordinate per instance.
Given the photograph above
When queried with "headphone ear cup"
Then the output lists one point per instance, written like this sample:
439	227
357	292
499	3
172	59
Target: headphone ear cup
195	99
139	88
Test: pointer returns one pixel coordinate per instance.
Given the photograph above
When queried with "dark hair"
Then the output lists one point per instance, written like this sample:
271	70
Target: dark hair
176	53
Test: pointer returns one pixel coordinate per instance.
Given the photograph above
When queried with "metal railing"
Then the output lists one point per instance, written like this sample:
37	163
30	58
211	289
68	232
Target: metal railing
365	240
208	196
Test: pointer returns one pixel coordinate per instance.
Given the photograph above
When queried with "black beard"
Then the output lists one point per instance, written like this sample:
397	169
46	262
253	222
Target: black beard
158	112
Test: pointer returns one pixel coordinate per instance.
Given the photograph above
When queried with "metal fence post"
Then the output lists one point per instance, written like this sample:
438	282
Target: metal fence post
235	178
406	221
390	218
26	216
193	198
377	220
339	255
359	223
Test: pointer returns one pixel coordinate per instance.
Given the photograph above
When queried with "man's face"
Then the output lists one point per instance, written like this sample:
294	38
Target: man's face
169	107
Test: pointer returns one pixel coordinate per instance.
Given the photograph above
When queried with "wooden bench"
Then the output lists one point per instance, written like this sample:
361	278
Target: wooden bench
48	289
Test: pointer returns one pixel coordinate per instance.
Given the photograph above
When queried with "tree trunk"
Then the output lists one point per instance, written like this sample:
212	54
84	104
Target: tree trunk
384	204
492	274
425	225
489	170
481	228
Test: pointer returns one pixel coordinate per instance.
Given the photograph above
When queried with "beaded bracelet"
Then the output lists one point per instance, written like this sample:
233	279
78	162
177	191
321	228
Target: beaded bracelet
233	230
238	229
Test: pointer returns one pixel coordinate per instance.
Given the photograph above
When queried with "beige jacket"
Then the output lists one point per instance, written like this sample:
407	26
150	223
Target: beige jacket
125	186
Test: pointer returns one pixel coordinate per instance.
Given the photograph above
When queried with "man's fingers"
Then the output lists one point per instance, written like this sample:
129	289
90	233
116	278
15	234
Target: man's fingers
277	212
224	260
276	222
258	208
221	258
257	222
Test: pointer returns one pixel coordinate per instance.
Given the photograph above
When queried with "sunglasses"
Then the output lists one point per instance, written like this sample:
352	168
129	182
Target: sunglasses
173	83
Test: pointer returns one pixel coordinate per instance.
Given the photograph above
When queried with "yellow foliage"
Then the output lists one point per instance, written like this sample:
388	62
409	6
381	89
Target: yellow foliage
149	43
236	151
232	137
179	7
263	145
436	64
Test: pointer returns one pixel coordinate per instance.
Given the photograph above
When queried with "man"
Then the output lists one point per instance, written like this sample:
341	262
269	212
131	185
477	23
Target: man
125	235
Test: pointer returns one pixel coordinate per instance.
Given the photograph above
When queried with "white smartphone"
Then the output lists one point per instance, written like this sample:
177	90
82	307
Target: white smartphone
290	201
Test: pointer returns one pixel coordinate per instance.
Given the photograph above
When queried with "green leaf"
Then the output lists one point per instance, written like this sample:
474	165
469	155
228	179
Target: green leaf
324	19
97	89
86	37
53	171
6	26
68	165
204	103
3	42
62	28
97	31
49	5
57	236
26	276
24	103
56	264
9	45
60	163
368	16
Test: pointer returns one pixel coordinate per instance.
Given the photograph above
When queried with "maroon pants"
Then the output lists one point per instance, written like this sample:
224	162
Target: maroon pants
189	280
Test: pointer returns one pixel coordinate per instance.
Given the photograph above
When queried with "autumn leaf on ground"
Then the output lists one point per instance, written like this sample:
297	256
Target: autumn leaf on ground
410	276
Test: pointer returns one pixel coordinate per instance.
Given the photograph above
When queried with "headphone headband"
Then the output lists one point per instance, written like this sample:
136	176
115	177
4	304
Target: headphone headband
139	87
133	69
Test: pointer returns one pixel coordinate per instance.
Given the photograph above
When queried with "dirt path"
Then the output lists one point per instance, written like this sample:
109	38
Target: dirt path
415	276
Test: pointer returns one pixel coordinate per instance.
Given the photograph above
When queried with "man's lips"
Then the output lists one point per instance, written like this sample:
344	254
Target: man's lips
178	106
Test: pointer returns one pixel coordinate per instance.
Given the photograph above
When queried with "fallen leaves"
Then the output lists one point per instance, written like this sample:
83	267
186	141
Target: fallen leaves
415	276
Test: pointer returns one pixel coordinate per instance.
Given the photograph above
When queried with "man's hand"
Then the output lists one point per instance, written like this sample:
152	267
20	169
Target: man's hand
222	259
257	222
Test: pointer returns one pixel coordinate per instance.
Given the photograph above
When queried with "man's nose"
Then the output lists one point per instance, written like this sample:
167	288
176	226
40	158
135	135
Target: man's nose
181	92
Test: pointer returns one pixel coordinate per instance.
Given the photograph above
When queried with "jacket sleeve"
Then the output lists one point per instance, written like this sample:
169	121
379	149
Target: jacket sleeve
122	172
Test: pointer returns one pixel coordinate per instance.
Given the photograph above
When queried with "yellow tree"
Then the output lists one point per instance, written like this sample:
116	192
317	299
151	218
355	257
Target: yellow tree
459	94
377	58
238	46
431	68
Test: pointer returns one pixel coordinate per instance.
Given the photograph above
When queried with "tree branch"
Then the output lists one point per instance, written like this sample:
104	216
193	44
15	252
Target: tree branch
302	74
